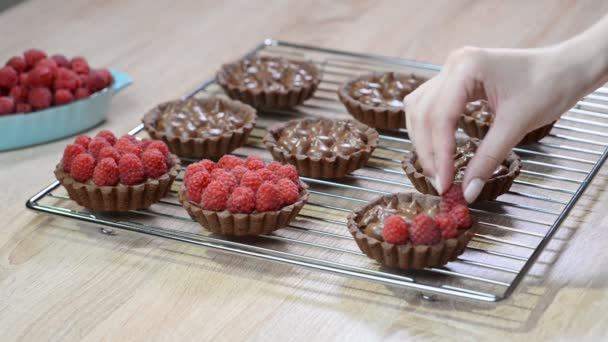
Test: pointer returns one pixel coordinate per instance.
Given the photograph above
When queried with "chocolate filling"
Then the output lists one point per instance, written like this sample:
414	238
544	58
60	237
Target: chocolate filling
480	111
387	90
268	73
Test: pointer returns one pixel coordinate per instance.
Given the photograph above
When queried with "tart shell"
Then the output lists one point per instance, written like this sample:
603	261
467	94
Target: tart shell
408	256
211	147
478	129
119	198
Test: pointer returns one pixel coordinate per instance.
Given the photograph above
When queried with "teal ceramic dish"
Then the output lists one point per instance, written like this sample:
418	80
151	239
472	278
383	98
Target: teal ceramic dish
21	130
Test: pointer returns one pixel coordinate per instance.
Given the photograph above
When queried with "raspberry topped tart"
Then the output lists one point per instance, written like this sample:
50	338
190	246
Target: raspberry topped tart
269	82
322	148
498	184
104	173
413	231
478	117
238	197
377	99
201	128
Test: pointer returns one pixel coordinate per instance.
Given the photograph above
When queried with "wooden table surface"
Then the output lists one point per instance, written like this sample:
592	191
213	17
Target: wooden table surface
64	280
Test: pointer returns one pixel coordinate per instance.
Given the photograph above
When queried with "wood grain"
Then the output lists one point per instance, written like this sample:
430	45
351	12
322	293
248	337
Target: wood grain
62	280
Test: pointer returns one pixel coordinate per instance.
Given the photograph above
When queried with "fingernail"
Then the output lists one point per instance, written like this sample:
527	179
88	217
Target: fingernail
473	190
437	184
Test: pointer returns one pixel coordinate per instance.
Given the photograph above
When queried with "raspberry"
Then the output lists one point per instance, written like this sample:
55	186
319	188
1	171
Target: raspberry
96	145
268	197
67	79
41	76
274	166
80	65
241	201
267	175
19	93
289	191
61	61
424	231
197	182
208	164
251	179
161	146
451	198
94	82
82	167
461	215
144	143
23	107
238	172
131	170
8	77
254	163
40	98
109	136
17	63
154	163
23	79
445	222
81	93
288	172
49	63
7	105
229	162
69	153
105	75
106	173
215	196
32	56
63	96
130	138
109	152
395	230
191	170
124	146
83	140
225	177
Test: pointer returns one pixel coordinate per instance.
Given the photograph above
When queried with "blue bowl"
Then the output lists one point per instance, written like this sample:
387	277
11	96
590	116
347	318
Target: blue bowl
21	130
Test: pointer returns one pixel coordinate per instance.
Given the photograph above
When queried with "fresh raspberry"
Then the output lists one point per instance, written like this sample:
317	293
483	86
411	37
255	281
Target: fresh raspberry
229	162
424	231
268	198
105	75
451	198
63	96
215	196
22	107
23	79
49	63
61	61
241	201
131	169
238	172
267	175
19	93
124	146
80	65
154	163
109	152
225	177
69	153
8	77
67	79
461	215
82	167
96	145
395	230
83	140
32	56
197	182
447	224
144	143
208	164
7	105
288	172
251	179
130	138
94	82
41	76
81	93
191	170
40	98
17	63
254	163
274	166
106	173
289	191
109	136
161	146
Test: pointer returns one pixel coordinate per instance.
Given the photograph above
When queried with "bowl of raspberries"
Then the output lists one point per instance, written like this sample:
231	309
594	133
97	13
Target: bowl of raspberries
44	97
236	197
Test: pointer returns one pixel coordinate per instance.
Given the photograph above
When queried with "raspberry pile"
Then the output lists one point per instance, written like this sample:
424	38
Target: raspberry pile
107	161
242	186
425	230
35	81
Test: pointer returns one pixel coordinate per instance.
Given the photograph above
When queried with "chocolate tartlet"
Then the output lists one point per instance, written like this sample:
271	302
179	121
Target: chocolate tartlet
322	148
269	82
257	223
201	128
498	184
478	117
377	99
366	225
118	198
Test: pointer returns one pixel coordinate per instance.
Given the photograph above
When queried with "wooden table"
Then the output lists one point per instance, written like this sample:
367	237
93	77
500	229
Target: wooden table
64	281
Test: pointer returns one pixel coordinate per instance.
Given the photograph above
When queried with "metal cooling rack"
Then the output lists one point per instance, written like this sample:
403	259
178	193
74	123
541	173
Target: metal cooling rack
514	228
